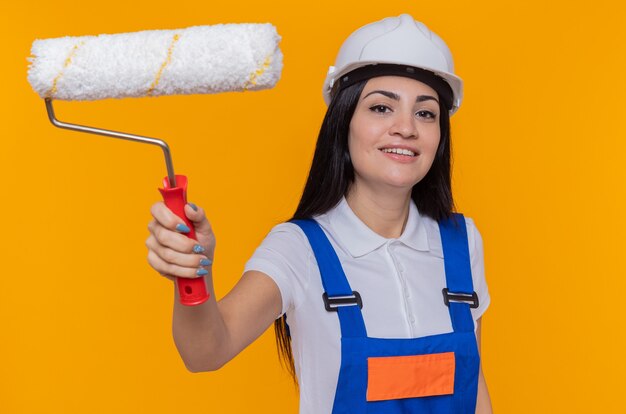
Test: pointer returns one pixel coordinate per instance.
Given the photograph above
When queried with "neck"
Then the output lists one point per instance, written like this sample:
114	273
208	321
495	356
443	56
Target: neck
385	213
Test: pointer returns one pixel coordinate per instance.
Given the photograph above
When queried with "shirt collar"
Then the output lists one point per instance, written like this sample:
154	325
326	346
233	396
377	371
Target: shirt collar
358	239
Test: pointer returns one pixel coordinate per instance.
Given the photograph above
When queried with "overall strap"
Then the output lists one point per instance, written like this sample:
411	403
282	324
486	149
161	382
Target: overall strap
334	279
460	289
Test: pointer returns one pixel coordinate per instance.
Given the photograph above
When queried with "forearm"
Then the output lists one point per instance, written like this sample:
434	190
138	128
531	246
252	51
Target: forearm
199	332
483	401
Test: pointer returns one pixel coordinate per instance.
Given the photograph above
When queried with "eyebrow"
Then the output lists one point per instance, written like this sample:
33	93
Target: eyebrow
396	97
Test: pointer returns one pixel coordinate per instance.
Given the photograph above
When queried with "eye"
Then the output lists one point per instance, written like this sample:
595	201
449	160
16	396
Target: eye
426	114
381	109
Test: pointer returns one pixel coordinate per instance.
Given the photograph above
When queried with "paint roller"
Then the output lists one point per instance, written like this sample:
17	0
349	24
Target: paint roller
194	60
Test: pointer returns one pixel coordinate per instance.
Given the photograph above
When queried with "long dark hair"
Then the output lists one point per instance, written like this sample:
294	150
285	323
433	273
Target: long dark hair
332	173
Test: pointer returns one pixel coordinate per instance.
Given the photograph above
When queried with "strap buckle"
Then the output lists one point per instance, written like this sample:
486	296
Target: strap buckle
333	303
469	298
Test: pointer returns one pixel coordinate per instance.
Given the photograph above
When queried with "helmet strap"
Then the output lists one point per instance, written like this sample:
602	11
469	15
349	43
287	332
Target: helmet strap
383	69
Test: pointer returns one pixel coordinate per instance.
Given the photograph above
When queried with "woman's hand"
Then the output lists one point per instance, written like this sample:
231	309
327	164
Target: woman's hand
170	251
210	334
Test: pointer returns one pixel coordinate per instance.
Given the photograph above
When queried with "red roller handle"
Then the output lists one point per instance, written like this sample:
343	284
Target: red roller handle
191	291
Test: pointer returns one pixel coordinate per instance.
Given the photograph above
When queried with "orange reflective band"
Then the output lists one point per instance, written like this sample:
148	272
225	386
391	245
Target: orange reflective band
391	378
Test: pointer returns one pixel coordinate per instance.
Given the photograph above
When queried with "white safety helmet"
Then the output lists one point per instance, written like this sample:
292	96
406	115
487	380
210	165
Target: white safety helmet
397	41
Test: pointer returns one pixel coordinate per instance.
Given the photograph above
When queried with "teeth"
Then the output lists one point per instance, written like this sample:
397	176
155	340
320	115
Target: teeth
399	151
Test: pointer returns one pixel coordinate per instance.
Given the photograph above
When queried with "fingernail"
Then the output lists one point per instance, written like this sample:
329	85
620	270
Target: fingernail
198	249
205	262
192	205
202	272
182	228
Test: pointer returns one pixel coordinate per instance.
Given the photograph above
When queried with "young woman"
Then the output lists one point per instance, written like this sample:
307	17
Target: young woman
375	286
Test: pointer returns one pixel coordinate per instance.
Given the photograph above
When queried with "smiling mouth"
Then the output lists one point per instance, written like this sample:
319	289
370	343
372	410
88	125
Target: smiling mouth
400	151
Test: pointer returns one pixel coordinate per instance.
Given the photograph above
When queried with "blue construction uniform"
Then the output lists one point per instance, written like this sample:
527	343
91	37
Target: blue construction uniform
439	372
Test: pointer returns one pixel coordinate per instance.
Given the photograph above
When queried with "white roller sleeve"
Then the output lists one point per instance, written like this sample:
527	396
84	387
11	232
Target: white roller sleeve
195	60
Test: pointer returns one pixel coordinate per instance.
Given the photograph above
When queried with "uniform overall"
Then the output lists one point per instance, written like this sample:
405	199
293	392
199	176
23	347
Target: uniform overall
431	374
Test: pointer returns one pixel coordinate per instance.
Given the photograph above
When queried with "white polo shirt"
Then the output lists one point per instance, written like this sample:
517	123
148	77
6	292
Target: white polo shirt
400	282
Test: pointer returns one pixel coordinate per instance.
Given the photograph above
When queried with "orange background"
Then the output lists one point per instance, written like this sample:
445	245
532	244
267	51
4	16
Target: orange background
539	164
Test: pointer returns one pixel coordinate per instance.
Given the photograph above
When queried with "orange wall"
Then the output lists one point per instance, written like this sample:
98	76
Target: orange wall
539	164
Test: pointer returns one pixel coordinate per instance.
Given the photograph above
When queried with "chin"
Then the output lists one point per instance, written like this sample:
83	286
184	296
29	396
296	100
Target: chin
403	182
406	185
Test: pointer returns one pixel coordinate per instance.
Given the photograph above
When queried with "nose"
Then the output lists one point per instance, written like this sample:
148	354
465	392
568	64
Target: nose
404	125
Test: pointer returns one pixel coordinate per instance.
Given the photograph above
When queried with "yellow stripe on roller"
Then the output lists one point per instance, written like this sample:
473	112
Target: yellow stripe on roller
168	59
257	73
67	62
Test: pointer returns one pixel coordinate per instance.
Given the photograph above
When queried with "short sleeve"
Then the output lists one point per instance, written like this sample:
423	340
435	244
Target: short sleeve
477	260
284	256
